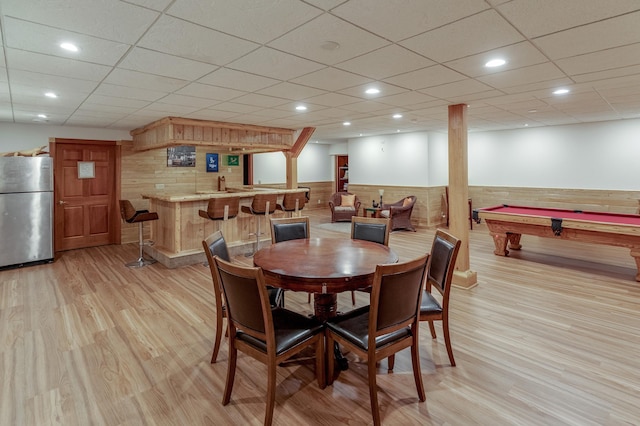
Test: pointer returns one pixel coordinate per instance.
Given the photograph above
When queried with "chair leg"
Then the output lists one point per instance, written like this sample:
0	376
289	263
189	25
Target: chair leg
391	361
447	340
320	363
271	393
141	261
433	329
353	298
308	297
417	373
373	391
330	359
218	338
231	372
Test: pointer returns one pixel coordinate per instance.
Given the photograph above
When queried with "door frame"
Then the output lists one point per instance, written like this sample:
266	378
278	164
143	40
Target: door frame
114	210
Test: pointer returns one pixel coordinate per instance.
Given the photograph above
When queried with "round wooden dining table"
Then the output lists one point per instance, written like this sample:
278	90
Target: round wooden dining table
323	266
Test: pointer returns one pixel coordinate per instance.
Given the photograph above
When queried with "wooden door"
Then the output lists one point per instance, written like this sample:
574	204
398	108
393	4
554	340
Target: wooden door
86	213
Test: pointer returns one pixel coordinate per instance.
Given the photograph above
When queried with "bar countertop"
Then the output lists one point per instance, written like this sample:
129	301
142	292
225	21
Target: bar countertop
205	195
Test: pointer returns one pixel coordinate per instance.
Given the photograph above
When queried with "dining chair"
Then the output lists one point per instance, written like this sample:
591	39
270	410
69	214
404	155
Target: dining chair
442	261
215	245
369	229
289	228
386	326
271	336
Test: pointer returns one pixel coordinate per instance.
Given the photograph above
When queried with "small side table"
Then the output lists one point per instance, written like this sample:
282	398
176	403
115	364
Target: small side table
375	211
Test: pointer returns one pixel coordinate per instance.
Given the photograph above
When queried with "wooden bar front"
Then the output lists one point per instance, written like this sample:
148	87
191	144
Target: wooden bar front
179	231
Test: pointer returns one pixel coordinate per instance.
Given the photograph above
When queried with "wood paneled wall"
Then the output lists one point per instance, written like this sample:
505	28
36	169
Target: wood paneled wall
583	199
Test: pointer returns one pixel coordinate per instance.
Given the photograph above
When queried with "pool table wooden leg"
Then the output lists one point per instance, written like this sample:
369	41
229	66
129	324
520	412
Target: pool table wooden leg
500	241
514	241
635	252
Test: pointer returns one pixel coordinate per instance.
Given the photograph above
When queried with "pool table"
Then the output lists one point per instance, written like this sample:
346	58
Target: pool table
507	224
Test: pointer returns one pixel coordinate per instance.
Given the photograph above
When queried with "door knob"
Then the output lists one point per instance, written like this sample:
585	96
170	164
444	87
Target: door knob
62	202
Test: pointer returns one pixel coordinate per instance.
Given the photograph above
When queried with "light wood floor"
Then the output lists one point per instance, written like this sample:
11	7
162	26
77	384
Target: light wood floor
550	336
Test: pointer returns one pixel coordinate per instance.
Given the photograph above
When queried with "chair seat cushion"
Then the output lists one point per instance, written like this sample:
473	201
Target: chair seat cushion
291	329
344	209
385	213
354	326
429	305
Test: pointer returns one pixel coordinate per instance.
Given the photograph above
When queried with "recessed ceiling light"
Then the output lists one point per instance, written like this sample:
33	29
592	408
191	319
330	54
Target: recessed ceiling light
561	92
398	131
495	63
526	125
346	123
42	115
69	46
531	111
372	91
330	45
51	95
397	115
301	108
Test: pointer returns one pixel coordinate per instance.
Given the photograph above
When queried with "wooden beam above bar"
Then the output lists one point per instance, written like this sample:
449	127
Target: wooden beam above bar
245	138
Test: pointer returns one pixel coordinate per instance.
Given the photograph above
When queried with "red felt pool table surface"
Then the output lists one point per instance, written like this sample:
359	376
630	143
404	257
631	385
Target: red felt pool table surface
508	223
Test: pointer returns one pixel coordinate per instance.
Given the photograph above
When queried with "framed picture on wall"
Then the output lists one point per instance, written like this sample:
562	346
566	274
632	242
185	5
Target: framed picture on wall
212	162
181	156
233	160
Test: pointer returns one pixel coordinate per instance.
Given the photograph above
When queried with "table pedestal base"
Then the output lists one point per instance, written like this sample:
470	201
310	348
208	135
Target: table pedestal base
325	306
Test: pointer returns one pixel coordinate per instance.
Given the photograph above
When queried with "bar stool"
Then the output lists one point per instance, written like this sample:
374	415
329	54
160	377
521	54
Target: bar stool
292	202
131	215
261	205
221	208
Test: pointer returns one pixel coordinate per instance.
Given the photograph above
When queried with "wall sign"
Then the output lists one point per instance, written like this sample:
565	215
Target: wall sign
233	160
212	163
86	169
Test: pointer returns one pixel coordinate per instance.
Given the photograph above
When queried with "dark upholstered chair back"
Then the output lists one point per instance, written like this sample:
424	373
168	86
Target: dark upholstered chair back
370	229
399	292
285	229
127	211
216	245
444	252
246	296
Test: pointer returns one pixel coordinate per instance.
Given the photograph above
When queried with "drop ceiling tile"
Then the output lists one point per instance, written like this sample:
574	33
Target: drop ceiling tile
400	19
405	99
366	107
263	101
600	77
331	79
614	32
308	41
184	100
539	88
275	64
141	80
158	5
47	82
238	80
385	62
237	108
167	109
36	62
326	4
261	21
175	37
210	92
625	56
84	121
44	39
517	55
426	77
115	101
527	75
111	20
291	91
459	88
157	63
475	34
332	99
560	15
124	92
93	107
212	114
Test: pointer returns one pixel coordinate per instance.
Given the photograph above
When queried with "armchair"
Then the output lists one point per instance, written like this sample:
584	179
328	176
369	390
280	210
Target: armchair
341	212
400	213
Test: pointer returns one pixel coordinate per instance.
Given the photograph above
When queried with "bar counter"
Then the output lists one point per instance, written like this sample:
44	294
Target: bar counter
179	231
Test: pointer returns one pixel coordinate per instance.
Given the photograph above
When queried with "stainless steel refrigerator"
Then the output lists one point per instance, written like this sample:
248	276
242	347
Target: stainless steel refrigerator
26	210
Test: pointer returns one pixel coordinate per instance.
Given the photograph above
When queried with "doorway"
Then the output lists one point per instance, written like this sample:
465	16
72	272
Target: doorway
85	193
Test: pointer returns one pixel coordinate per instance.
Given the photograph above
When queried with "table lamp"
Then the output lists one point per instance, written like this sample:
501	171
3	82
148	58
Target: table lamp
380	191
